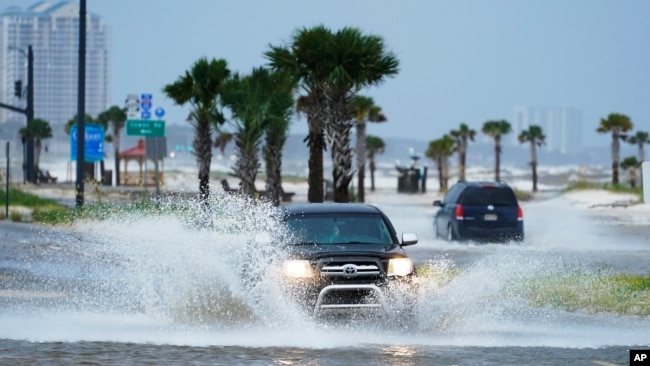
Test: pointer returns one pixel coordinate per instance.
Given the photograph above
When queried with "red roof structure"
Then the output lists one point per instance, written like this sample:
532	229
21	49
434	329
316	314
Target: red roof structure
137	153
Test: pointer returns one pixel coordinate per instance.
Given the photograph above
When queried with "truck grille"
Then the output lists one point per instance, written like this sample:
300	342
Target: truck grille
350	268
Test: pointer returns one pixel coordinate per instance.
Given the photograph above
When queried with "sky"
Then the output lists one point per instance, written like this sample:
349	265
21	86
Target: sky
461	61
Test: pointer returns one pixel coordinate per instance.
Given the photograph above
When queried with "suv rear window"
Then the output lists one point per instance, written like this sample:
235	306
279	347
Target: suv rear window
482	196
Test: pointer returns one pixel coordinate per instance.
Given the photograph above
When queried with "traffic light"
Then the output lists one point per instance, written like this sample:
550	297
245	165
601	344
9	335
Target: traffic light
18	88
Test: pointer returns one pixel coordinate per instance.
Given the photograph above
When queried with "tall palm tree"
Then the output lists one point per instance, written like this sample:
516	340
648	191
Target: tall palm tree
114	119
365	111
246	97
200	87
536	137
462	134
358	61
332	68
496	129
439	151
38	130
281	102
305	60
374	145
616	124
639	139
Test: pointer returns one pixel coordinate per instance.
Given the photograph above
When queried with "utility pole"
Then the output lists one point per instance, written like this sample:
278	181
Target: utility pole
81	107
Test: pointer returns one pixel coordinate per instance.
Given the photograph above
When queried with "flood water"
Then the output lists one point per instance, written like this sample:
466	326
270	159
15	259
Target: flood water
157	289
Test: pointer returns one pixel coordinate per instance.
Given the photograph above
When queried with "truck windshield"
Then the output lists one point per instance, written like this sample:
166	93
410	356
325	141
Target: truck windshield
338	229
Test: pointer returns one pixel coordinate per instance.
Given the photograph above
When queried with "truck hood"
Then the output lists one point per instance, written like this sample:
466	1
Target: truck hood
368	250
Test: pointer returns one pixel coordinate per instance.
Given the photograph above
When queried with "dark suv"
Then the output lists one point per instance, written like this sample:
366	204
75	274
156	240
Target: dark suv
345	256
481	211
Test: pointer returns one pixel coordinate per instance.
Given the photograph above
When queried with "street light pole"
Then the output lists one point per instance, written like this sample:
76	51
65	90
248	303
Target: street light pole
29	112
81	107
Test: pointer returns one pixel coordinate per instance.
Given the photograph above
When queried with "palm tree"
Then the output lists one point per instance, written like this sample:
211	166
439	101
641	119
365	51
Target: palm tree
358	61
639	139
439	151
38	130
304	60
616	124
536	137
114	117
332	68
364	110
374	145
222	140
496	129
281	102
462	134
246	97
200	87
631	164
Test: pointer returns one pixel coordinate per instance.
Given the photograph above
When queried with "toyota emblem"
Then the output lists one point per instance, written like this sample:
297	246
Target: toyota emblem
490	207
350	270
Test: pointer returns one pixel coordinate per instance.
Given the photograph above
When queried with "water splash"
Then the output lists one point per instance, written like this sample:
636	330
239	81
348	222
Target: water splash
178	274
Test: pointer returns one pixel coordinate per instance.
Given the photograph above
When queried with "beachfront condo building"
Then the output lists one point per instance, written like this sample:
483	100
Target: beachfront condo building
52	30
562	127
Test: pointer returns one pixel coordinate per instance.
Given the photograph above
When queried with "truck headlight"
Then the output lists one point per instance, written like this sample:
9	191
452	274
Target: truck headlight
400	267
297	268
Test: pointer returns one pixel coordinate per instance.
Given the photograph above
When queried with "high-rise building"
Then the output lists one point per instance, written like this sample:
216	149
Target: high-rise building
562	127
52	29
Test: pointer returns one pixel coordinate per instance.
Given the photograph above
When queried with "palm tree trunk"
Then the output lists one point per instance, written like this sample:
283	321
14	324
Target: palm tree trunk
371	165
615	157
116	144
273	154
361	161
37	157
246	166
440	175
338	132
497	160
203	151
462	156
533	163
315	178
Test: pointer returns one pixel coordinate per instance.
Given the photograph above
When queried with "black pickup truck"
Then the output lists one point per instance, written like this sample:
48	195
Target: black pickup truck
345	256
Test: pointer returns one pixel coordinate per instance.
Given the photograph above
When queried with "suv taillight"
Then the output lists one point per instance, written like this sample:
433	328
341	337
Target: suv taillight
459	212
520	214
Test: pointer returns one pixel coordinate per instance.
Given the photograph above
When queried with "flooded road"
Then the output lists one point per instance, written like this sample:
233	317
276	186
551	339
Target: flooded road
160	291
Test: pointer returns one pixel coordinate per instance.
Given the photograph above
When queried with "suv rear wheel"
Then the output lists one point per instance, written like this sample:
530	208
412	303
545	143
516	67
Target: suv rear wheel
450	233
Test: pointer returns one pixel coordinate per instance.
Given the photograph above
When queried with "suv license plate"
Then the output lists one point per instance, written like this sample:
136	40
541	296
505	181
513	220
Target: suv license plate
490	217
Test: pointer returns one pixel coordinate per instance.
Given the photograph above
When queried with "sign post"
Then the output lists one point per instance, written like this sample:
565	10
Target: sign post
7	186
645	181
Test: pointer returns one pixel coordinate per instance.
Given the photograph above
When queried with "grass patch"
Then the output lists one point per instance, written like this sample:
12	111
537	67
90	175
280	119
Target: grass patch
20	198
621	294
523	195
614	188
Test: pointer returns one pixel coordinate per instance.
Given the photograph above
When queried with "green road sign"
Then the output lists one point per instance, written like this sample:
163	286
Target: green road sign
145	127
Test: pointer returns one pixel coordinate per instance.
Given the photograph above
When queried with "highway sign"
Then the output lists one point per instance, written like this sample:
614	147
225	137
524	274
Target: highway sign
145	127
93	142
145	114
159	112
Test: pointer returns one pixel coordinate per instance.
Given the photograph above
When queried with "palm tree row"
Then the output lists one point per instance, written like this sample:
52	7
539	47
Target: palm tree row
457	141
619	125
328	68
